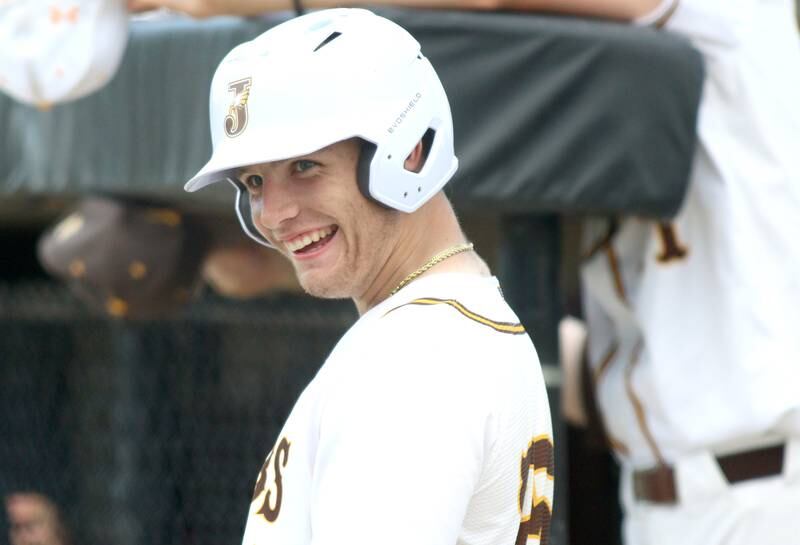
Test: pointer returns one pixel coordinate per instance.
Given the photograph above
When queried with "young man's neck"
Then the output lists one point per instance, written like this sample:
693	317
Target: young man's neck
424	233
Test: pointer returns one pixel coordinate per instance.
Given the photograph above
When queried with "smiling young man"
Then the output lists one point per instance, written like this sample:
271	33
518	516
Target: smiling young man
429	422
341	244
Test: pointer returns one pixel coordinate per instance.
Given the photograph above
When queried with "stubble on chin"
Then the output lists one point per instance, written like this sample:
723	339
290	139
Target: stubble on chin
324	286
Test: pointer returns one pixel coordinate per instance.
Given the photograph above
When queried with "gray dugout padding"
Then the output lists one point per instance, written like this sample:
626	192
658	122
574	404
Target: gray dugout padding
552	114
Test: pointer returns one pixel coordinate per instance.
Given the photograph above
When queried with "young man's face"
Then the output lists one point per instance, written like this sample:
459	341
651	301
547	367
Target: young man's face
311	210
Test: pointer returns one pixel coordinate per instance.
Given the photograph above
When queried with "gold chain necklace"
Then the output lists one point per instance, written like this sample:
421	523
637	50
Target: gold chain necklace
435	260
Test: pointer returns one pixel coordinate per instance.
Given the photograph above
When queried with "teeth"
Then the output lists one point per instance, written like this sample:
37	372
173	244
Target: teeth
301	242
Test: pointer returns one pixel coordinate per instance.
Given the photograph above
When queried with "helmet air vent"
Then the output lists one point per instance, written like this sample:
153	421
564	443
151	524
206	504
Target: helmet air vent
332	36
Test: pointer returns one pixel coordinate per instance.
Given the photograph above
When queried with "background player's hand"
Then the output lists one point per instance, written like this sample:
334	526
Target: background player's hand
210	8
572	335
194	8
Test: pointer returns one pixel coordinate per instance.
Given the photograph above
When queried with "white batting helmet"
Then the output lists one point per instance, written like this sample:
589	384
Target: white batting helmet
322	78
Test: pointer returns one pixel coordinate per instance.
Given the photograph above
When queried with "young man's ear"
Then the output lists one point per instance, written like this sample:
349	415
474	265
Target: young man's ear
415	159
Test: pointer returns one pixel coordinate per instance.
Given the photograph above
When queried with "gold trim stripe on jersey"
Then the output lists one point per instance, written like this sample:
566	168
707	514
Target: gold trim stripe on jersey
502	327
638	406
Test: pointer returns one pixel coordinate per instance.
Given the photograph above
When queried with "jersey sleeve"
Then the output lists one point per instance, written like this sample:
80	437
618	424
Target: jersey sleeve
403	437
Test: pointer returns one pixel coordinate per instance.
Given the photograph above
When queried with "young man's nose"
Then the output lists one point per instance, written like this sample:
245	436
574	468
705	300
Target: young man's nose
277	204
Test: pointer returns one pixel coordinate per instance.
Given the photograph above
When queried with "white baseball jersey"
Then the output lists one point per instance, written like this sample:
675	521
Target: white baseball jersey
427	424
693	323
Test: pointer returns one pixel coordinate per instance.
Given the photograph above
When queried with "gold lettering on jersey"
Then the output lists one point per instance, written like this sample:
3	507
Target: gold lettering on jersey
535	516
270	481
671	247
236	120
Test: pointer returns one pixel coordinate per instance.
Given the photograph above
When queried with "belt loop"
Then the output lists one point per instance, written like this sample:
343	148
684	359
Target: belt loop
791	460
698	476
626	489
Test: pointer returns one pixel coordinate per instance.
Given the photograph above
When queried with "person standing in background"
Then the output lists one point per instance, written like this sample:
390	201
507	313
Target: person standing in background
694	356
34	520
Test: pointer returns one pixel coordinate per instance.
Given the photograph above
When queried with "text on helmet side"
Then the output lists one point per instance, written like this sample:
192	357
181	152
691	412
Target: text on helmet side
400	118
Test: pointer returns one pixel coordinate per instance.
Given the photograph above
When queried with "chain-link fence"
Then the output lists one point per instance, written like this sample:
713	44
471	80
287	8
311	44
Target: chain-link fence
151	433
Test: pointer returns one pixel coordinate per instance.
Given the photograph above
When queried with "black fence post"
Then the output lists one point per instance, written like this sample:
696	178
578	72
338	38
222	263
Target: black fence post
138	488
529	262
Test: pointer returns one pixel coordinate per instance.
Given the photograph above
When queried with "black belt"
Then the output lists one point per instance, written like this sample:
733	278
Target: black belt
658	484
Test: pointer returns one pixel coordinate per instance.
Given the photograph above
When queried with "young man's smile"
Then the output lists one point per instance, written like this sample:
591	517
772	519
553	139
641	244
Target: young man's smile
311	242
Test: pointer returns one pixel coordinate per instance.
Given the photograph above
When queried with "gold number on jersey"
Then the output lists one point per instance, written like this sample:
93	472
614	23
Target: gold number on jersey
270	509
536	492
671	247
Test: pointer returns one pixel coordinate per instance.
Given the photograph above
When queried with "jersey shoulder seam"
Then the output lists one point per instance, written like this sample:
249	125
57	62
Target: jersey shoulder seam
512	328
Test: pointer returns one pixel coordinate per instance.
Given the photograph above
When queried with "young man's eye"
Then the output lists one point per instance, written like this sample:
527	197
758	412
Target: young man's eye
303	165
253	182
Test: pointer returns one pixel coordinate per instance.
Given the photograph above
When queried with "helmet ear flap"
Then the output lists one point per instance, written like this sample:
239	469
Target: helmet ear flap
363	168
367	154
245	213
